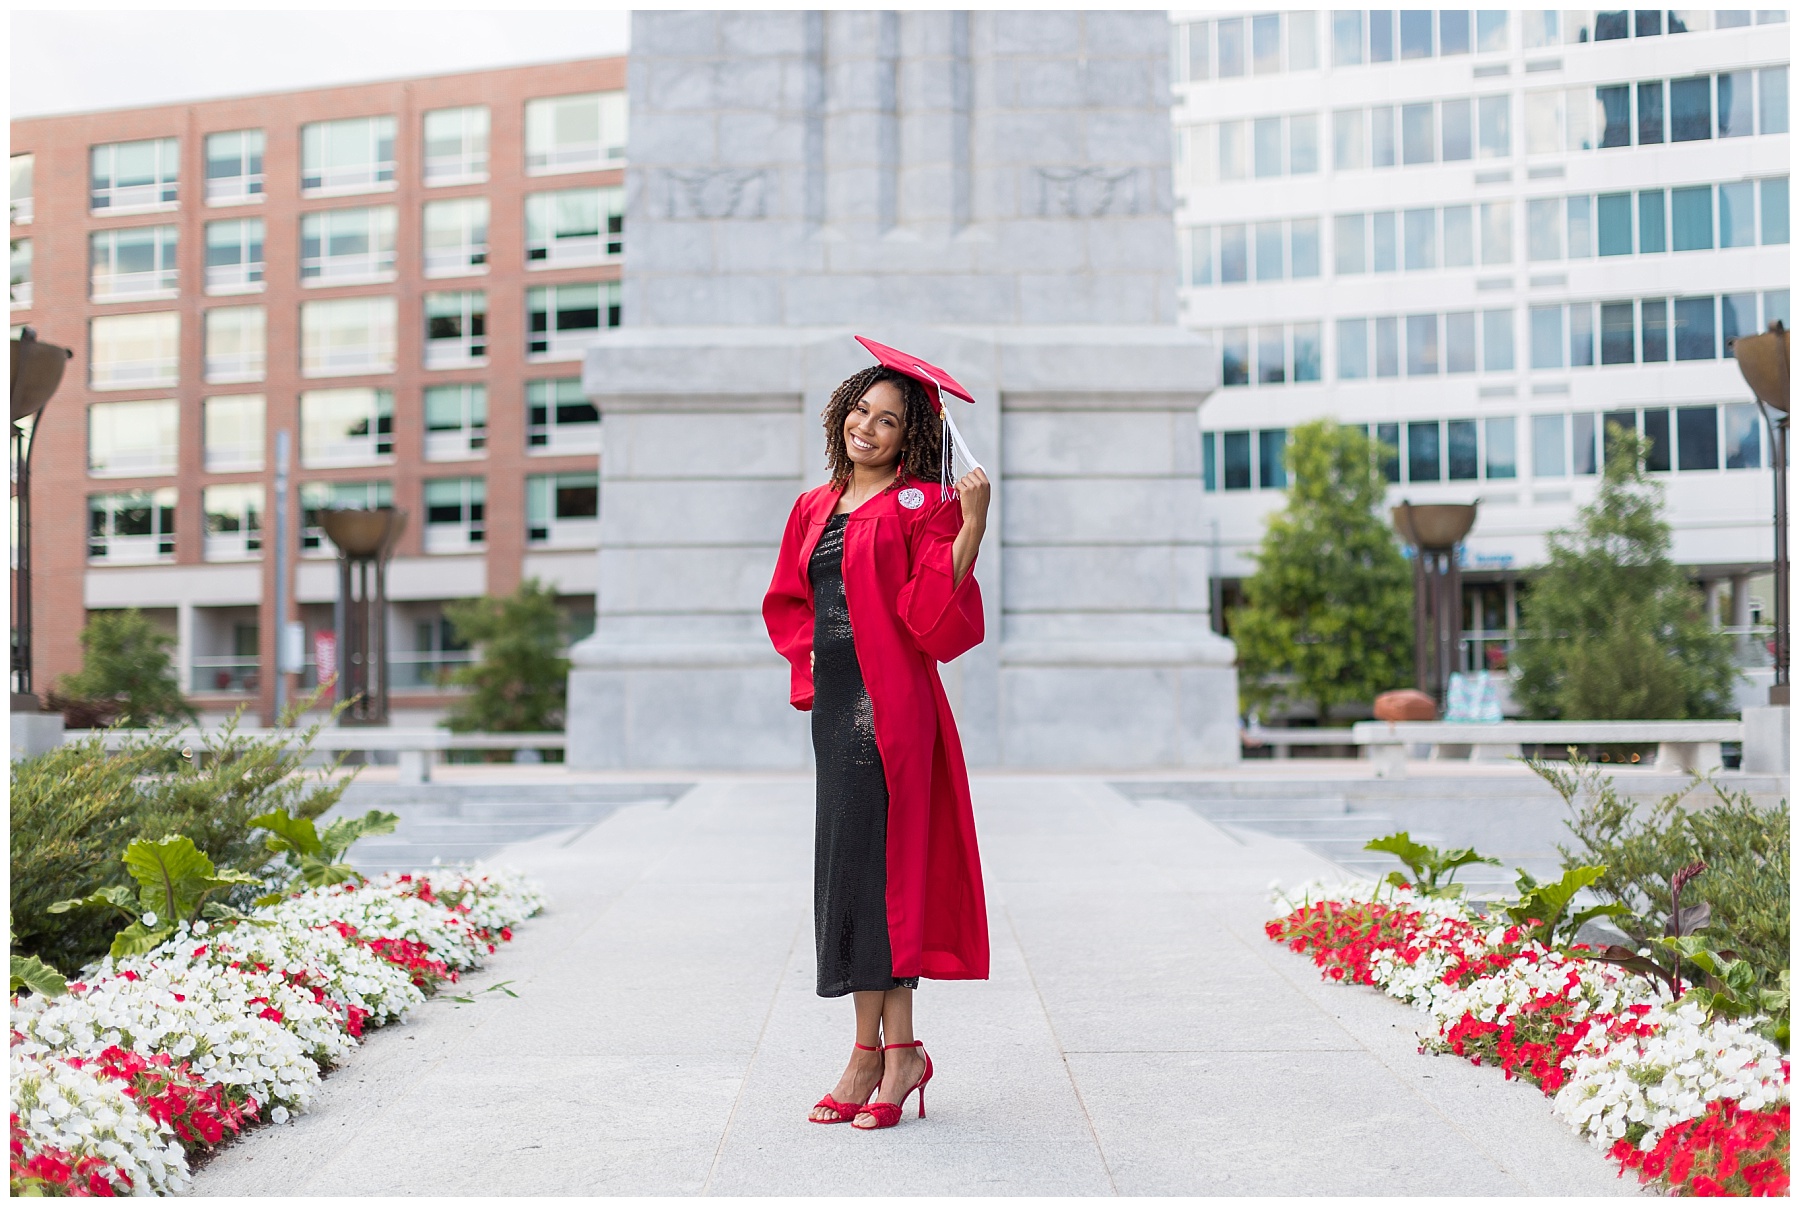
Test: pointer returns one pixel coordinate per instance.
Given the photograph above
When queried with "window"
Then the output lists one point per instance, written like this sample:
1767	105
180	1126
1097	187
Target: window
1772	101
1265	44
1421	239
353	155
563	320
1737	316
346	427
1743	435
562	511
1775	306
1546	337
133	526
234	167
1303	144
1232	154
20	294
22	185
347	335
1495	114
1346	37
1655	323
1459	342
132	351
1544	229
1582	431
1350	244
1614	223
1491	32
347	247
1580	224
1462	452
1271	459
1697	438
1543	122
1581	335
559	417
1381	136
1775	210
1581	112
1231	47
336	496
1499	438
1650	126
581	133
456	145
1610	25
1691	218
1424	459
456	237
1266	146
1308	354
1615	115
233	433
1648	23
1497	341
1496	232
455	421
1548	455
455	329
1381	36
1737	214
1347	150
1453	31
1651	214
1736	104
1540	28
1302	40
1303	248
234	256
1269	251
1421	345
1387	347
132	262
1618	333
1199	50
1387	441
132	439
1271	356
235	344
1234	356
1690	109
1456	120
134	175
233	521
1353	349
455	514
1695	338
1199	257
1237	460
1384	241
1209	460
1418	129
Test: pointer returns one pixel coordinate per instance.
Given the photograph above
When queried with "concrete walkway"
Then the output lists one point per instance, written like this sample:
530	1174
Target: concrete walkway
1139	1035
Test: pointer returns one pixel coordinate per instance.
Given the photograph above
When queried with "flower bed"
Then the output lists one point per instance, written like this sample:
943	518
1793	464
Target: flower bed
1692	1105
154	1057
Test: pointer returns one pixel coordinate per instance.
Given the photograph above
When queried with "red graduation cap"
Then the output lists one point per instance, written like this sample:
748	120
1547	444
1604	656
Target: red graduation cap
922	371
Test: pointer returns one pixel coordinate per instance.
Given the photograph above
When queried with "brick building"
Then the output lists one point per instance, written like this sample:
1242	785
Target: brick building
403	275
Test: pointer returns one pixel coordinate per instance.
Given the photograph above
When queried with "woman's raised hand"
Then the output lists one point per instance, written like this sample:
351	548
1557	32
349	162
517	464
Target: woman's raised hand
974	490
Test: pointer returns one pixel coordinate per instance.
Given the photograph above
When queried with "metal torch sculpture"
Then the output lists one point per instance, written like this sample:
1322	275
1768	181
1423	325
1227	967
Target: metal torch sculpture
1434	531
1763	360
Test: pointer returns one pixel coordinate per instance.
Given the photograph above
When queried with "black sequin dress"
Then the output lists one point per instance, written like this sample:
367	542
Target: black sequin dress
850	848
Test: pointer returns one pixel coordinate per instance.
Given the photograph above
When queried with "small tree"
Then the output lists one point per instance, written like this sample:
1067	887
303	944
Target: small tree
125	662
1612	630
520	681
1328	613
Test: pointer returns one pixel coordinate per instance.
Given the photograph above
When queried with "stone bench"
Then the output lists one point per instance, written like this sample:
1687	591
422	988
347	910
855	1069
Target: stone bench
1691	746
416	748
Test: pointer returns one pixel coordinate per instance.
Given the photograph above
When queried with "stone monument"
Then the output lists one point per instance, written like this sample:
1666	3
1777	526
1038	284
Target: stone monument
990	191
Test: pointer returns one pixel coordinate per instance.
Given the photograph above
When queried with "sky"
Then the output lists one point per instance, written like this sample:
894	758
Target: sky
68	61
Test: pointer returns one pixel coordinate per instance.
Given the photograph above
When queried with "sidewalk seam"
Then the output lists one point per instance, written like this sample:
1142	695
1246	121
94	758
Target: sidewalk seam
744	1084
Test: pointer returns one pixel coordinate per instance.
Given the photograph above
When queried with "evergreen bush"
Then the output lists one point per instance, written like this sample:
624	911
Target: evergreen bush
519	682
126	670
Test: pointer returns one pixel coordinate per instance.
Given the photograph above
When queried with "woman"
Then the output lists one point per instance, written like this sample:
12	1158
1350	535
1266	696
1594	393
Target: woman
873	588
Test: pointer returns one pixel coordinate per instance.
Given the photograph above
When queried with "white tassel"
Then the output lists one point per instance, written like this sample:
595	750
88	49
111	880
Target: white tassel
944	491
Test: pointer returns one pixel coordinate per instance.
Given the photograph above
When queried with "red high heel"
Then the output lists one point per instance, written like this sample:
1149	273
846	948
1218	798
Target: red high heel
845	1111
887	1114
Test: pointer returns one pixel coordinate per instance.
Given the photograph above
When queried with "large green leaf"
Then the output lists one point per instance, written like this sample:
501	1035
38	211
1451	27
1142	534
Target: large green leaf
29	972
1549	902
139	937
1402	847
172	873
289	833
339	835
117	896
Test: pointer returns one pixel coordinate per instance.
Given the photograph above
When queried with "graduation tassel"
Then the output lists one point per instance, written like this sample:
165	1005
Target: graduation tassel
944	491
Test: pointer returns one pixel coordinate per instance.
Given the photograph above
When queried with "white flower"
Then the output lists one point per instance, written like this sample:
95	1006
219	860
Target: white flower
149	918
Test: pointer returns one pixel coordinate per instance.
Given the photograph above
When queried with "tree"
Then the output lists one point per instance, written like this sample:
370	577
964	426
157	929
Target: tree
125	662
1328	613
520	681
1612	630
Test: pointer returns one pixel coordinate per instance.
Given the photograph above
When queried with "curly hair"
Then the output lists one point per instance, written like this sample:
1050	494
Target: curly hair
921	434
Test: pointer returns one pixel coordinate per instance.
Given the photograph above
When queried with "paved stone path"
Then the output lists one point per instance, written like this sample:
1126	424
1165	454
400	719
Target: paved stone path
1139	1035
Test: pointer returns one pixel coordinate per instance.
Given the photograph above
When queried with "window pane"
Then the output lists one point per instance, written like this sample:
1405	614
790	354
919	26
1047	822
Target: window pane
1772	102
1271	356
1453	31
1346	37
1387	450
1231	47
1775	306
1419	127
1308	356
1502	449
1497	341
1610	26
1349	244
1352	349
1421	345
1199	50
1655	321
1615	115
1618	333
1302	40
1421	239
1459	342
1267	133
1544	229
1650	113
1694	333
1381	136
1272	459
1237	460
1303	259
1415	33
1496	126
1743	436
1582	112
1381	35
1547	454
1491	30
1387	347
1543	122
1231	151
1461	453
1737	214
1303	144
1651	237
1459	136
1614	214
1459	236
1737	316
1692	220
1234	347
1697	437
1209	460
1546	337
1265	43
1735	104
1775	210
1496	232
1385	241
1581	334
1582	458
1347	151
1690	109
1268	251
1424	460
1656	430
1200	256
1234	252
1581	228
1647	23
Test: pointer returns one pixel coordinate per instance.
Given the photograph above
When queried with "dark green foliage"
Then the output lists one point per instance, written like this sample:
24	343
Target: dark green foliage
125	662
175	883
1611	628
1328	613
1544	908
519	683
1431	871
1745	849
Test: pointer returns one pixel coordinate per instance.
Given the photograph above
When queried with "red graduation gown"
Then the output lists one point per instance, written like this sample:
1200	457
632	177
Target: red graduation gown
907	617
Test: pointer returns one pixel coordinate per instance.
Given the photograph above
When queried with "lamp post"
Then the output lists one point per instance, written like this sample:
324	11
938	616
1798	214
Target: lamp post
37	370
365	539
1434	530
1763	360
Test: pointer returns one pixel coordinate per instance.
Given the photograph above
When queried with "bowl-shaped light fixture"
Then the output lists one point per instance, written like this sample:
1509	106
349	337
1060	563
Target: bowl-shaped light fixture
363	531
1763	360
1433	525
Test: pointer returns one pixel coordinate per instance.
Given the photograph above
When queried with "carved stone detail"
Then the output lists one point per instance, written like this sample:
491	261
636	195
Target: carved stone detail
715	193
1089	192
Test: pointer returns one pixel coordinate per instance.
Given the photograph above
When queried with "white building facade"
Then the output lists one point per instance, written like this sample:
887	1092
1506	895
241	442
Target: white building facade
1483	235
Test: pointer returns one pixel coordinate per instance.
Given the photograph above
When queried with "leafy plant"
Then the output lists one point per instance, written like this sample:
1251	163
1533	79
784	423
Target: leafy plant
125	662
1544	908
316	855
29	972
1328	613
175	883
1611	628
1731	987
1642	847
1430	871
519	682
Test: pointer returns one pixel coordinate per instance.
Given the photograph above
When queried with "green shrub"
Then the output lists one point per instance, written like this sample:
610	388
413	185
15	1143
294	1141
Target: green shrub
125	665
1745	849
519	682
